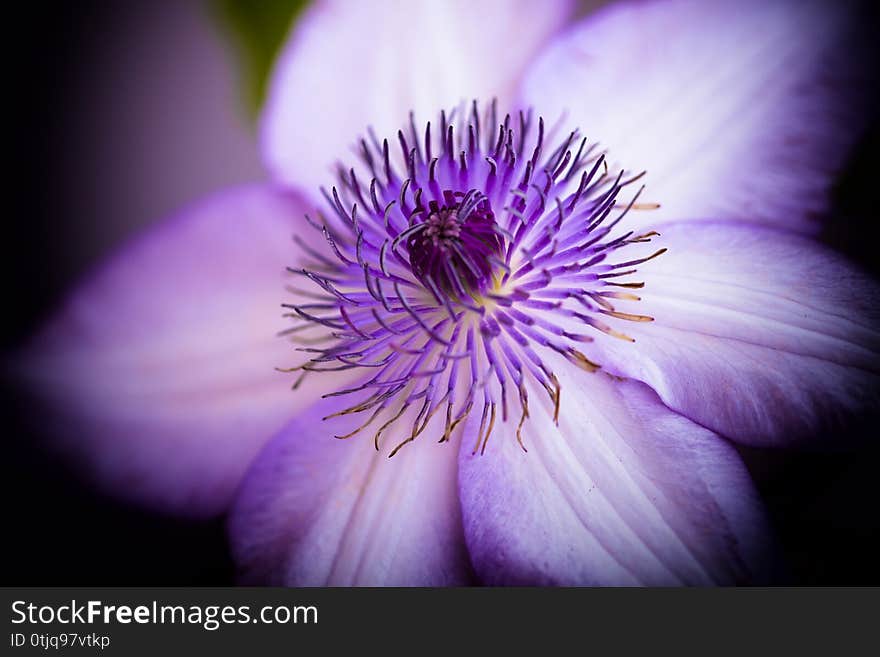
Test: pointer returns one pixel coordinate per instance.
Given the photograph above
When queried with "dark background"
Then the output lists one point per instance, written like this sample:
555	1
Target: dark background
56	529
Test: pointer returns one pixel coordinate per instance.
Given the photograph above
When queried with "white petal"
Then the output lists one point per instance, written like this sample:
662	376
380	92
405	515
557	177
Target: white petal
623	492
318	511
158	374
348	65
737	110
763	336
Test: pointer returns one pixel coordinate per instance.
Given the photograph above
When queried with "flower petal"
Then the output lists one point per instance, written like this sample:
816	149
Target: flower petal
760	335
737	110
317	511
623	492
158	373
350	64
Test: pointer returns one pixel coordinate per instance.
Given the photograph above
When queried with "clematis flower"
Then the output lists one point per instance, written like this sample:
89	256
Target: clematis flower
522	334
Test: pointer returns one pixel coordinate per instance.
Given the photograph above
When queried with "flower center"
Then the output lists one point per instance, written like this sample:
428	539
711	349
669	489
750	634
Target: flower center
460	272
453	248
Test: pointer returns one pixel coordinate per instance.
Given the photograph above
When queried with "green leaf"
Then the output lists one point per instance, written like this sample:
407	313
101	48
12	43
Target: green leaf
258	28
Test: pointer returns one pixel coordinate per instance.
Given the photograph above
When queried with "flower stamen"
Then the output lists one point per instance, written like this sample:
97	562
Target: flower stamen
468	264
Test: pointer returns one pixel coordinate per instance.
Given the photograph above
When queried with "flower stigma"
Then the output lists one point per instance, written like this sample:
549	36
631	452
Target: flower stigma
457	270
451	249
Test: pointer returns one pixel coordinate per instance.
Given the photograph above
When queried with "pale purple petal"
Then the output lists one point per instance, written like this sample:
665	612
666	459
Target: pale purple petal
157	375
737	109
763	336
623	492
315	510
350	64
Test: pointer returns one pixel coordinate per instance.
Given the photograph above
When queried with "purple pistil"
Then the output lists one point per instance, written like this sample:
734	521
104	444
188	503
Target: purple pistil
454	247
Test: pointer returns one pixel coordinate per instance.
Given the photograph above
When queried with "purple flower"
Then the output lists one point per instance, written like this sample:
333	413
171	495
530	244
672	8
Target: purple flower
583	350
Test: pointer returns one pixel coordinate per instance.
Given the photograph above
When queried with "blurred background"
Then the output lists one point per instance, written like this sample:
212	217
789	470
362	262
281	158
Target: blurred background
123	112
